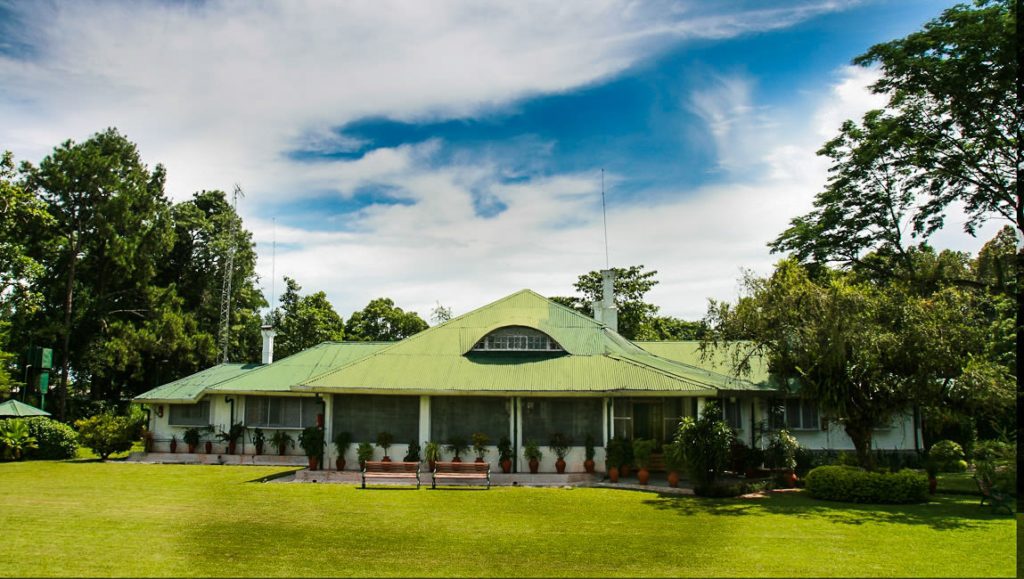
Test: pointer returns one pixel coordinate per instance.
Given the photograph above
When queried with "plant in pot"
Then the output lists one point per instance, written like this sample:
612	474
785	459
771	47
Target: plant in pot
311	439
432	452
782	452
614	456
191	438
480	442
384	440
505	454
364	452
642	451
559	444
752	462
457	445
932	468
413	454
342	442
209	443
281	440
588	448
174	444
673	463
231	436
258	439
532	453
627	458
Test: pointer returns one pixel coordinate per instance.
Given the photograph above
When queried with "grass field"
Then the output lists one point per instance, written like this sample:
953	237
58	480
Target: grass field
83	518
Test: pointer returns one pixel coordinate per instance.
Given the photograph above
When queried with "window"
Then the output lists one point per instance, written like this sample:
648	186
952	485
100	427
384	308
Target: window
463	415
365	415
517	338
189	414
281	411
731	413
574	417
794	414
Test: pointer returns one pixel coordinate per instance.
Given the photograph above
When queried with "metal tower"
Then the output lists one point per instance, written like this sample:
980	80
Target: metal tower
229	269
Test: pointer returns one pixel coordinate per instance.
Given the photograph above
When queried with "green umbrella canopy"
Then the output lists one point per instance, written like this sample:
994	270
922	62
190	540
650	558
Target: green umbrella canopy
15	408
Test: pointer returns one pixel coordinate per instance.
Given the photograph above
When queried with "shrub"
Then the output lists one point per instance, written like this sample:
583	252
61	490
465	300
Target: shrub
947	455
56	440
705	444
855	485
781	451
15	439
107	433
986	450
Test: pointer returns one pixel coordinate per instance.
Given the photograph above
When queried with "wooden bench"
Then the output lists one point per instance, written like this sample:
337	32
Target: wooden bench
376	469
997	499
463	471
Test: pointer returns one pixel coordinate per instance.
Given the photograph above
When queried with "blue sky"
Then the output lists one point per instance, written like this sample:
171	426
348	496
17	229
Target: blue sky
452	152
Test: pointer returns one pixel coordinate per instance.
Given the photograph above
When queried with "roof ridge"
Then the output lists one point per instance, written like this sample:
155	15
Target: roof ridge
639	363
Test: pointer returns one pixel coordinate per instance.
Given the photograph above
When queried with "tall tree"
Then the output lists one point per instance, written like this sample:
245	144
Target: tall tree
304	321
382	321
630	287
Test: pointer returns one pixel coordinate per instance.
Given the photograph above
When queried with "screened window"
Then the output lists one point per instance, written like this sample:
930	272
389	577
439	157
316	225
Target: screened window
462	416
795	414
575	417
189	414
364	416
517	338
281	412
731	413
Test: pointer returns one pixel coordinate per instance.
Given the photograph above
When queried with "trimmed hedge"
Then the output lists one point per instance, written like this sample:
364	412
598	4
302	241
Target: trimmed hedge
856	485
56	440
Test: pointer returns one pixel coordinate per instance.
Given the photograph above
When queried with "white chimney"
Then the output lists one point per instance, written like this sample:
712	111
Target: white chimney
605	310
268	343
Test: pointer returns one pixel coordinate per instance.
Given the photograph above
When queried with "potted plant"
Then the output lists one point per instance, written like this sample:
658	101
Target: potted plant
282	440
627	458
505	454
232	435
588	448
312	442
782	451
642	451
384	440
209	443
259	439
457	445
932	468
432	452
342	442
613	456
559	444
752	462
673	463
364	452
532	453
174	444
480	442
191	438
413	454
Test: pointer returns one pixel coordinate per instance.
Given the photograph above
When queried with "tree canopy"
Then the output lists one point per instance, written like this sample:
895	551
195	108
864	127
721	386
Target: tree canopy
304	321
382	321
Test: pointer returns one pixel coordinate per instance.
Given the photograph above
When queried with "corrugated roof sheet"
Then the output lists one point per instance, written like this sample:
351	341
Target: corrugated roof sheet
190	388
718	360
287	372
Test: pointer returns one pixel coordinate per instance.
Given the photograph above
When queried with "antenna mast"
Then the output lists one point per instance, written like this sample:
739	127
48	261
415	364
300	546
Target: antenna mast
229	268
604	211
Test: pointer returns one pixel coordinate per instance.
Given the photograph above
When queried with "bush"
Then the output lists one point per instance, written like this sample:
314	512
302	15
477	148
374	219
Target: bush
56	440
855	485
705	445
781	451
947	455
107	433
987	450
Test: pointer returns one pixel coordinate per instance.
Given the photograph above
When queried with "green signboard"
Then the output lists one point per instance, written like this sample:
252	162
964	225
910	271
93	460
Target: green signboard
44	382
40	357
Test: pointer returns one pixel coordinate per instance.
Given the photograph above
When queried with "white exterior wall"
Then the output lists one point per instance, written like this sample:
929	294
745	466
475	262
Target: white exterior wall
899	436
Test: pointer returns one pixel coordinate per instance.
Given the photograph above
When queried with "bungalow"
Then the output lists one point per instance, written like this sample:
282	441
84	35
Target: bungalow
522	367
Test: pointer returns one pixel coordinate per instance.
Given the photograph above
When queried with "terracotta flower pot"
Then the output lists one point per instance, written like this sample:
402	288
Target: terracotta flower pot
790	478
259	449
232	446
506	465
174	446
613	474
191	449
534	465
588	465
478	459
312	463
386	458
624	471
431	464
457	459
340	463
209	447
560	465
673	479
643	475
281	450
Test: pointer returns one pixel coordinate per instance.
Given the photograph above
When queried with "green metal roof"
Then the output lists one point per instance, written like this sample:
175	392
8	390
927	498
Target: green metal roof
20	409
190	388
287	372
718	360
440	359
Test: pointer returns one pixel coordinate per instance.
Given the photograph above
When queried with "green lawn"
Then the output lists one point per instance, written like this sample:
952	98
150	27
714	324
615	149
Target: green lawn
88	518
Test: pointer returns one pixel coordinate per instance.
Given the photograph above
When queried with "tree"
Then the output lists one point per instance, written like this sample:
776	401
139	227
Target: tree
382	321
631	284
862	350
440	314
659	328
304	321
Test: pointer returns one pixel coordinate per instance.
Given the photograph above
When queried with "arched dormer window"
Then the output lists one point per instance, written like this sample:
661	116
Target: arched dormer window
517	339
